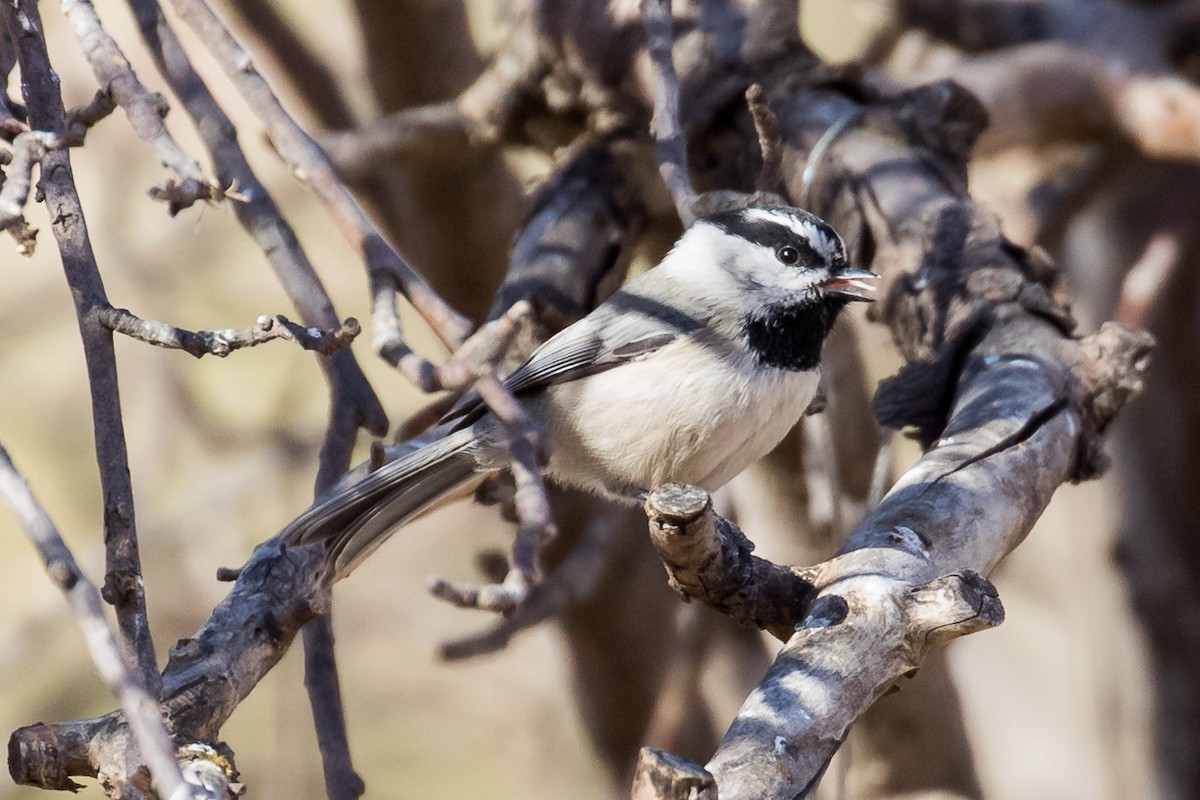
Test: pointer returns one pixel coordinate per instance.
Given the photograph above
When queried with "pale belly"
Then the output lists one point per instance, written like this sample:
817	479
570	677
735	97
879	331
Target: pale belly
677	416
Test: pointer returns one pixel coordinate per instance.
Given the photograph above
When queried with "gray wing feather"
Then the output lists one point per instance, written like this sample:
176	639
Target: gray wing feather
627	326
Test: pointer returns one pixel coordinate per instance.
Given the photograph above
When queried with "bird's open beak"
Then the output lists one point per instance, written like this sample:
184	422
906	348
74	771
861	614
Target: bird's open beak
851	282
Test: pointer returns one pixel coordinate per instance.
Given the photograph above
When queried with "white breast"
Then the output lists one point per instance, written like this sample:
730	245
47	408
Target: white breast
685	413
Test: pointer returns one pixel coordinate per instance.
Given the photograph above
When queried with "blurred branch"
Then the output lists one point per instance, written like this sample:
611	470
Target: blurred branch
770	145
669	136
387	270
140	707
574	246
977	25
1149	276
309	75
1054	92
224	341
420	132
144	109
123	586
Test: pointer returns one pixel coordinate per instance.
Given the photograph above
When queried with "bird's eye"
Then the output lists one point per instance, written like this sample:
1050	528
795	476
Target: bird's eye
788	255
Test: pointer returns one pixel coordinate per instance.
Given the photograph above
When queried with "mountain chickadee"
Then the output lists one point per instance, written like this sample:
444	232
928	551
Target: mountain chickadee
688	374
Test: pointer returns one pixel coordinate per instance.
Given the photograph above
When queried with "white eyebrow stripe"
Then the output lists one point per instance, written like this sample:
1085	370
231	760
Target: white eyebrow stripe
820	238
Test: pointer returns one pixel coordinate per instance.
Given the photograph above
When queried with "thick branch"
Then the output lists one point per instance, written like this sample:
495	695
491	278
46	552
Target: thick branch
855	644
1009	408
708	559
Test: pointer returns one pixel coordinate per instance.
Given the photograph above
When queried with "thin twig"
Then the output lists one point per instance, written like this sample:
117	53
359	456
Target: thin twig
123	586
384	263
28	149
574	579
222	342
669	134
80	120
535	521
141	709
355	402
145	109
484	349
770	143
436	129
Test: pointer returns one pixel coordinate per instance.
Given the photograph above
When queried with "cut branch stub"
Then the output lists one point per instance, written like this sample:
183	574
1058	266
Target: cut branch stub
708	559
663	776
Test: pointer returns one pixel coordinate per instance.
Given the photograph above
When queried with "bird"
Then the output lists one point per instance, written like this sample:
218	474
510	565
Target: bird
688	374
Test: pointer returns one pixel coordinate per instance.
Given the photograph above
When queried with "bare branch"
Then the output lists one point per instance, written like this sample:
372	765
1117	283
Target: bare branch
123	586
535	521
669	134
309	74
325	696
83	118
140	707
144	108
852	648
385	266
221	342
480	354
354	402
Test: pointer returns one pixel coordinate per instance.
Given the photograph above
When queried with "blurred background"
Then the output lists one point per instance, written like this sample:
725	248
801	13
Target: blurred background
1087	691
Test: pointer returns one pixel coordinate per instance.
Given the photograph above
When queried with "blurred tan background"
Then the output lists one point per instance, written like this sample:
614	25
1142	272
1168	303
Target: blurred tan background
223	452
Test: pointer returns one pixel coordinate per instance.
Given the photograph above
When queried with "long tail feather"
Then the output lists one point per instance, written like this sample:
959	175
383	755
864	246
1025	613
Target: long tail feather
359	517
